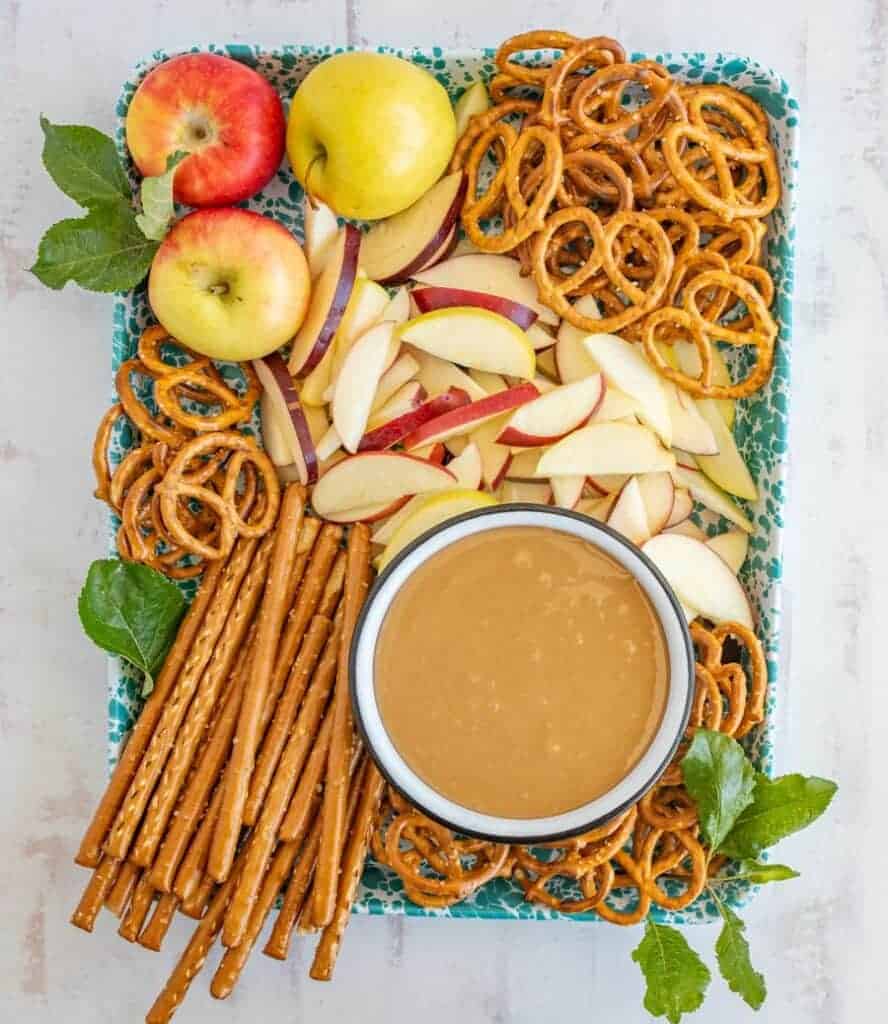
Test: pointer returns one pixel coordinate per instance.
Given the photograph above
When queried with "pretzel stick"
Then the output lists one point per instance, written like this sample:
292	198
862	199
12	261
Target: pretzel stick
336	786
196	906
90	852
247	736
119	896
297	819
140	904
194	863
208	692
95	893
121	834
352	865
285	778
155	932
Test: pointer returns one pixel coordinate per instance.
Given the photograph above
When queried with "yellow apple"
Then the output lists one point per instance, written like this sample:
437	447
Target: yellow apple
369	133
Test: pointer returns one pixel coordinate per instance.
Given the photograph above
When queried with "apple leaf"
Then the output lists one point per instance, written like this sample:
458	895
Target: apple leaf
158	208
104	251
721	780
675	976
83	163
758	873
732	954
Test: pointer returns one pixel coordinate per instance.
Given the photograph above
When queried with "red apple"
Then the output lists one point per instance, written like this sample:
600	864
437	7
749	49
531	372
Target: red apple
228	118
397	429
230	284
432	297
288	413
468	417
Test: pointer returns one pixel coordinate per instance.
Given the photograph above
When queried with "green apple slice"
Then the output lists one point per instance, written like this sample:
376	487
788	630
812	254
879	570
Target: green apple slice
688	359
709	494
732	546
475	100
727	468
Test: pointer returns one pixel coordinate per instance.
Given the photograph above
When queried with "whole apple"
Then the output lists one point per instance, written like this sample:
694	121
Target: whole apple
229	283
369	133
221	112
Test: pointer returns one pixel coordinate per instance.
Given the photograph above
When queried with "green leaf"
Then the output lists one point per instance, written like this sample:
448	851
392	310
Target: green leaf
83	163
104	251
130	610
779	807
719	777
755	871
158	208
675	976
732	954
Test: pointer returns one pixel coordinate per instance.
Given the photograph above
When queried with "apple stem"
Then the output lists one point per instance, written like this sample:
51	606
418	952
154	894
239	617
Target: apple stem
218	289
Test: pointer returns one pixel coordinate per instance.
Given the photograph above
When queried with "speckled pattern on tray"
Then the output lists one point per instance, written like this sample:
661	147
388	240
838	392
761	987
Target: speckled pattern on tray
760	430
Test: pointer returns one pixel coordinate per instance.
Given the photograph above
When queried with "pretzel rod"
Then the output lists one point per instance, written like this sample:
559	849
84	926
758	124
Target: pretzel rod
191	870
196	906
127	820
196	720
140	904
95	893
297	819
335	789
284	782
352	866
279	728
90	851
278	945
247	735
119	896
154	933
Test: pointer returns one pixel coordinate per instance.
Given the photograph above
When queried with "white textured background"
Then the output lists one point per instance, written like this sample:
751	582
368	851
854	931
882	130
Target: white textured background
820	939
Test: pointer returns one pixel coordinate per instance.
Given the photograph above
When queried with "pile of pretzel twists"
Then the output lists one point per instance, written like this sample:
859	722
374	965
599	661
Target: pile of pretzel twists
609	179
192	484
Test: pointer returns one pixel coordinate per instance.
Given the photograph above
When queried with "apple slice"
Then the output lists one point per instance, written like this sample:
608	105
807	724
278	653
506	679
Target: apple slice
397	247
495	458
329	444
616	405
682	506
606	448
321	229
567	490
727	468
401	372
329	299
474	100
732	546
546	362
439	375
597	508
523	465
432	452
407	397
552	416
538	335
391	431
688	359
628	515
430	514
489	273
376	478
713	497
275	440
282	394
431	297
687	528
658	495
690	430
625	365
571	357
468	417
472	337
455	445
398	308
608	483
357	383
520	491
490	383
365	309
700	578
466	467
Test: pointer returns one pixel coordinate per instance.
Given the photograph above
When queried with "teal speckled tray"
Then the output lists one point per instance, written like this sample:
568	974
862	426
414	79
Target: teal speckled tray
761	427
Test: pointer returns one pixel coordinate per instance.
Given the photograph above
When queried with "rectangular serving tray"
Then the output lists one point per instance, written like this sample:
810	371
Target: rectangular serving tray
761	424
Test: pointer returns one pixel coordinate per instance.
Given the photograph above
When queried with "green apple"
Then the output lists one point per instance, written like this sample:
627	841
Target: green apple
369	133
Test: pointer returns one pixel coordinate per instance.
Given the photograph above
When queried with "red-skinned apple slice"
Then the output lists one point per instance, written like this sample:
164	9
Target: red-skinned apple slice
397	429
495	458
732	546
365	309
469	417
397	247
447	247
700	578
357	382
521	491
407	397
552	416
466	467
439	375
606	448
281	390
329	299
628	515
473	337
546	364
491	274
376	478
523	465
432	452
401	372
321	229
538	335
682	507
658	495
567	490
430	298
275	440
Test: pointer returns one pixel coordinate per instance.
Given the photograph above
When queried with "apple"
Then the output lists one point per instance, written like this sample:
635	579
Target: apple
395	248
597	508
546	362
541	383
398	308
608	483
495	458
229	283
712	496
329	300
492	383
732	546
365	309
658	495
439	375
690	430
688	359
274	440
700	578
682	506
321	230
523	464
522	491
369	133
475	100
606	448
225	115
567	490
489	273
687	528
625	365
628	515
430	514
616	405
571	357
402	371
552	416
409	396
357	382
466	467
727	467
430	298
467	418
409	422
472	337
289	415
538	335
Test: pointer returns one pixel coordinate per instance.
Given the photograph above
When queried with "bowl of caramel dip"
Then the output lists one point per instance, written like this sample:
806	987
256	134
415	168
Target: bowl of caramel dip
521	673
